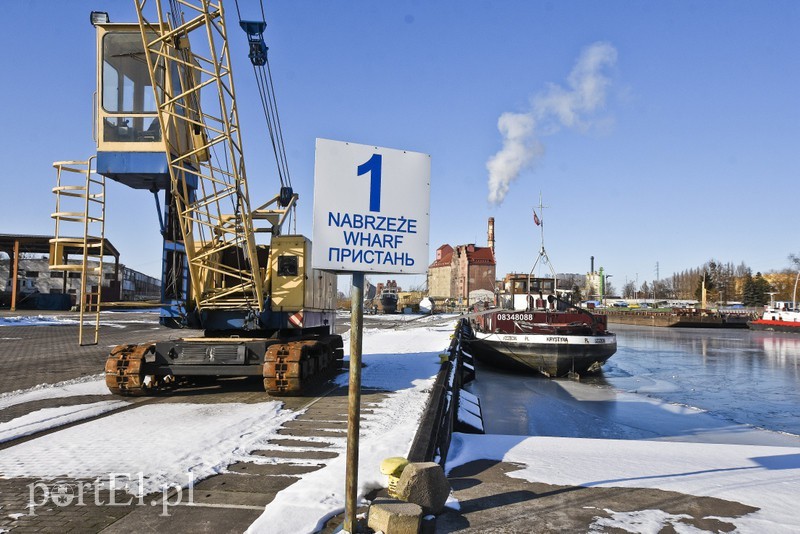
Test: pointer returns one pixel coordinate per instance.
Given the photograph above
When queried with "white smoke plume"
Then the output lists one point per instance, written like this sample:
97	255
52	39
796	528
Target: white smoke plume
552	109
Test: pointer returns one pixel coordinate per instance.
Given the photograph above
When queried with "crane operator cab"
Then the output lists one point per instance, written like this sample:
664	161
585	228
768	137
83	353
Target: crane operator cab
130	148
130	145
128	112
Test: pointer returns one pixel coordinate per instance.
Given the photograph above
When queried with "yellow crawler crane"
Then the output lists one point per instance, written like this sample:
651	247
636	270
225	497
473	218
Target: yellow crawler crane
167	122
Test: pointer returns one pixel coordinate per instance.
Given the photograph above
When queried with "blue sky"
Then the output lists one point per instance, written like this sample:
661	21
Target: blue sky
690	151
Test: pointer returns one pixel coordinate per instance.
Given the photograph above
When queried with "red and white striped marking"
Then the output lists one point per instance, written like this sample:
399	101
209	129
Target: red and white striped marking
296	319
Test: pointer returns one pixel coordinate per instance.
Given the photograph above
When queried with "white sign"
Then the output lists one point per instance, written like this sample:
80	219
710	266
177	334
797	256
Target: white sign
371	209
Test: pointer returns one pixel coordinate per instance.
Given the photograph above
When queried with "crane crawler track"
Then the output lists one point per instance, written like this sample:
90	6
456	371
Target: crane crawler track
126	371
289	368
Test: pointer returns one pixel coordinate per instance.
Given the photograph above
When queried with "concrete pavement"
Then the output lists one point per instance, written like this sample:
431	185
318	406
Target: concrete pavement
229	502
490	500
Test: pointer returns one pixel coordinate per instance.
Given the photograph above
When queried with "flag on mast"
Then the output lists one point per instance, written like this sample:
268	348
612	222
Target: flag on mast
536	219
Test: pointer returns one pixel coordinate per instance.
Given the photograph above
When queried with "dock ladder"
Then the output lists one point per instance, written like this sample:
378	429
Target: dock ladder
80	208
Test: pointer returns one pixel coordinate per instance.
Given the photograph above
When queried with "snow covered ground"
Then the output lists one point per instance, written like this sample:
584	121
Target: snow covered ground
208	437
760	476
205	438
37	320
114	319
87	385
402	361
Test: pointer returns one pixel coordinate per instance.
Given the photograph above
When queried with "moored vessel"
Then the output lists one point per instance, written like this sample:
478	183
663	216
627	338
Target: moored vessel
388	296
548	335
554	342
778	317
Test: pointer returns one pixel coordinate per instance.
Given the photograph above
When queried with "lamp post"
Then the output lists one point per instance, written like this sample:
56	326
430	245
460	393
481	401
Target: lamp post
605	288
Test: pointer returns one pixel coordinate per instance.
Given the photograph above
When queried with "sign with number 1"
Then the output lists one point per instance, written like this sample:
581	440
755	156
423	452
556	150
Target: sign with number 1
371	209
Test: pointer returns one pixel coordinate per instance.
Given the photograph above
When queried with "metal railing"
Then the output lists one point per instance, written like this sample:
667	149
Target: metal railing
447	408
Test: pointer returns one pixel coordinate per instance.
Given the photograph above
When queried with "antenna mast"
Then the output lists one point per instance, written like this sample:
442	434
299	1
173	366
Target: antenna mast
543	257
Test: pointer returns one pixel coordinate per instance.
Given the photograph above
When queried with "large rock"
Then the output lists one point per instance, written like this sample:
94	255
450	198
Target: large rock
394	517
425	484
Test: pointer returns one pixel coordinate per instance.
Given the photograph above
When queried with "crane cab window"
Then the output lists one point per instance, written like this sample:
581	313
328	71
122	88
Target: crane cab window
128	105
287	266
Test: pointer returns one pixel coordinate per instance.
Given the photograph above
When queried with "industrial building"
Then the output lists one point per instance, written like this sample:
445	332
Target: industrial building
464	274
38	287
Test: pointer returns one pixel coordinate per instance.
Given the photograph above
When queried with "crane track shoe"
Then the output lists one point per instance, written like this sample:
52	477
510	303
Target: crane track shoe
126	371
289	368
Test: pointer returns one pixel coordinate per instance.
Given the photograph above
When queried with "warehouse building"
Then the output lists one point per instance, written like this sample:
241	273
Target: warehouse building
463	274
26	259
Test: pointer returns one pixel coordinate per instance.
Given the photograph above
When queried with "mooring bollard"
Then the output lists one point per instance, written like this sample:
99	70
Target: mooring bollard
393	468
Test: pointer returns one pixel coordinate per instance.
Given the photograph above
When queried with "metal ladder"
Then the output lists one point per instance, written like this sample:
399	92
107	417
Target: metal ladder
80	207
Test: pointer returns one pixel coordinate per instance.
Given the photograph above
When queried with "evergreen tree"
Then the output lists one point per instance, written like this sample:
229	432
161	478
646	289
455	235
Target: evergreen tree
748	291
709	280
761	290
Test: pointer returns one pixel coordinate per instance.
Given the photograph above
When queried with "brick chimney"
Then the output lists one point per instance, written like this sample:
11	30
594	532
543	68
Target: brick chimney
490	236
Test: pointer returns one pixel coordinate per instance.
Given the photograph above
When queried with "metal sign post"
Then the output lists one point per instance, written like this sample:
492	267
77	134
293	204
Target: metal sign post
354	401
371	214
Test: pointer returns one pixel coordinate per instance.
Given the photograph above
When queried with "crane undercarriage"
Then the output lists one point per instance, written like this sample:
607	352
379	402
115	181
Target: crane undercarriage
288	366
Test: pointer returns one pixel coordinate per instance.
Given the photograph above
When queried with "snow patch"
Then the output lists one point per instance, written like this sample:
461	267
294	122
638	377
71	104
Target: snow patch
643	522
47	418
53	320
760	476
86	385
166	442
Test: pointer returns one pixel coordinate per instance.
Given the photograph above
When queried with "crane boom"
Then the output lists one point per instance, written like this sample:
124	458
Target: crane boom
189	64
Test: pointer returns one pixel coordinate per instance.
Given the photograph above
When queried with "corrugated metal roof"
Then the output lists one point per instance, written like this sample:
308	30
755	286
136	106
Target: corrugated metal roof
40	244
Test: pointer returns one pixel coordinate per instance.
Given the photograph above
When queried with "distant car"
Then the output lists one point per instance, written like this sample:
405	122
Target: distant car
634	305
620	304
645	305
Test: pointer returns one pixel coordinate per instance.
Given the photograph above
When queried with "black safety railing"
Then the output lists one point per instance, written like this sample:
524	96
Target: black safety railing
449	409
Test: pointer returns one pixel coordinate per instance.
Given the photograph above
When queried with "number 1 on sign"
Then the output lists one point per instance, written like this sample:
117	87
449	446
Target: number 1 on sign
373	166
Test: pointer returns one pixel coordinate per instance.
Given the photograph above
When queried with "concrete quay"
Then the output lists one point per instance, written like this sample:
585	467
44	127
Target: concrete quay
489	499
